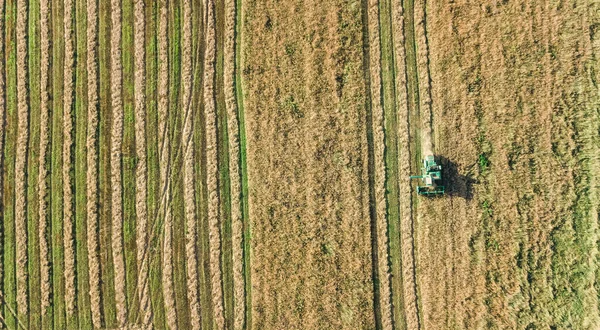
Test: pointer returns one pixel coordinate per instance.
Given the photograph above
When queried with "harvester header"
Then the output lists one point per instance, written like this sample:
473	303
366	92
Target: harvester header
431	174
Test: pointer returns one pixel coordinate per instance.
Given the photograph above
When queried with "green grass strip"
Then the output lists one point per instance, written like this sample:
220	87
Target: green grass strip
175	122
58	254
239	28
223	163
83	287
10	293
33	246
105	219
155	223
129	163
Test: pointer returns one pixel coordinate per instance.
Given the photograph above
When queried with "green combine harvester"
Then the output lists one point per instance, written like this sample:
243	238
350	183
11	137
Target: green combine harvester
431	176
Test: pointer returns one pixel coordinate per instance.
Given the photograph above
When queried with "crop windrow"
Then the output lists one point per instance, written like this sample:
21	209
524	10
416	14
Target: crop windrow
21	162
92	163
116	178
141	166
45	285
187	143
164	156
237	224
212	168
383	270
68	204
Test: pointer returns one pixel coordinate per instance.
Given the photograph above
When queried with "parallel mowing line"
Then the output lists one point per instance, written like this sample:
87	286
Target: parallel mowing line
92	163
212	167
188	168
380	171
115	159
239	302
406	229
141	167
45	286
163	138
21	160
68	237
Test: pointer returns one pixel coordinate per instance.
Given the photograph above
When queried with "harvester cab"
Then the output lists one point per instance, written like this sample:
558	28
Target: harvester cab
431	174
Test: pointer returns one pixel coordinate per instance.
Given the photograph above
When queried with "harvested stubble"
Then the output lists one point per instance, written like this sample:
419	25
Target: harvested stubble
164	156
115	156
233	132
187	145
141	170
212	173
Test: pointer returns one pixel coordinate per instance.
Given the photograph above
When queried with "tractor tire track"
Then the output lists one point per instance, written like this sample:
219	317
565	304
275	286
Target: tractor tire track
212	167
237	224
68	123
164	156
116	167
21	162
44	231
379	171
409	292
187	143
92	164
141	170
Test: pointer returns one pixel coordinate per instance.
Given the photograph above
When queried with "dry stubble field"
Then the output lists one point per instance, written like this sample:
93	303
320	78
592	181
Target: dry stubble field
243	164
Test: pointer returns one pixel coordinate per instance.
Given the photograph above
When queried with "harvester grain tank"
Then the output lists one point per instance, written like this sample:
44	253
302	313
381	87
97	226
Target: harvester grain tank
431	175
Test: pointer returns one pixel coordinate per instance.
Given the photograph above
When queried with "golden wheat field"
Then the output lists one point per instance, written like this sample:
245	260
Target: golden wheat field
245	164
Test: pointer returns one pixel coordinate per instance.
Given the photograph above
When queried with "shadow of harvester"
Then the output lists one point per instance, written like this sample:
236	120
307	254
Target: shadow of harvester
457	184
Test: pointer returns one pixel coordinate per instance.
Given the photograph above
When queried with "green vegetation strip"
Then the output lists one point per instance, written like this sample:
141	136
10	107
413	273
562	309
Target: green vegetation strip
155	222
129	163
33	248
223	163
58	55
239	28
10	293
83	287
107	268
